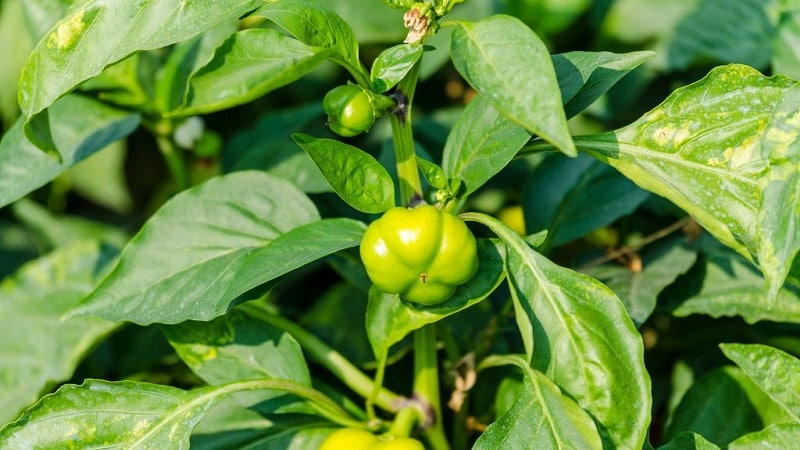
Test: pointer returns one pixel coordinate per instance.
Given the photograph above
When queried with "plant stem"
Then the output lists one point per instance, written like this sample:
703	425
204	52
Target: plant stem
426	367
332	360
405	157
174	159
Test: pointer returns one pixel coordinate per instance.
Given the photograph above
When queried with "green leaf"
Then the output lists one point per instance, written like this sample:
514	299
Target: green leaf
688	441
542	414
124	414
724	149
774	437
508	63
773	370
248	65
317	26
433	174
722	405
390	319
662	263
715	33
358	178
82	126
96	34
584	340
238	346
570	197
267	145
585	76
38	349
392	65
480	144
732	286
212	243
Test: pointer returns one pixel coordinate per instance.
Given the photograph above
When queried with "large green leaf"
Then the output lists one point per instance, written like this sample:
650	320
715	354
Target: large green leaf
238	346
577	332
390	319
584	76
774	437
480	144
126	414
508	63
248	65
732	286
96	34
212	243
773	370
726	150
543	415
82	126
317	26
570	197
359	179
721	406
37	348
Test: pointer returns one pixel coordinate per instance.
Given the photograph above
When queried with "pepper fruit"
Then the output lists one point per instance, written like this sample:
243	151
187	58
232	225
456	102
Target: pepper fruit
423	254
349	439
350	110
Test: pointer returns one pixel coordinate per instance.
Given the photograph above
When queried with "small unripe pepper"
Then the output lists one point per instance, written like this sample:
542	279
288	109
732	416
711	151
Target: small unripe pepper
350	110
423	254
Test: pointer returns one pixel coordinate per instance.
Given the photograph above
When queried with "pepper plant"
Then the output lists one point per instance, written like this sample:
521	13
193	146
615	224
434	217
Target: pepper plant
366	224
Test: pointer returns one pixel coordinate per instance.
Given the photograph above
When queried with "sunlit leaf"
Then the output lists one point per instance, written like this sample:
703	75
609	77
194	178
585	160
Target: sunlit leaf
726	150
577	332
212	243
508	63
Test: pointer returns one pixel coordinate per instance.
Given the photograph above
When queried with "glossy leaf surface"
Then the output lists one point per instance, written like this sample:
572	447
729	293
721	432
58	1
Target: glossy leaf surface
577	332
726	150
212	243
507	62
359	179
96	34
541	414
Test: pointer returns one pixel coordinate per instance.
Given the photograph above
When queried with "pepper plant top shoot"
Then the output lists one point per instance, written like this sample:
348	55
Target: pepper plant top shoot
423	253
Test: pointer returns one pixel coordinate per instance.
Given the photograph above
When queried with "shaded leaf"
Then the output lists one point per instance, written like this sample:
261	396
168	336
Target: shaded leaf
96	34
390	319
570	197
585	76
358	178
212	243
688	441
38	349
773	370
541	414
584	339
82	126
717	32
726	150
662	263
480	144
508	63
238	346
